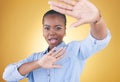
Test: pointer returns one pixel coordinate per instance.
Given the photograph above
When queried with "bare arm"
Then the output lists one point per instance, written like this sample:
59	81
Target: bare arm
28	67
99	29
47	61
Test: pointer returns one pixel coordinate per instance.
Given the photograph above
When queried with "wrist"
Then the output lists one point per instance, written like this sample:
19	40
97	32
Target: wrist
39	63
98	19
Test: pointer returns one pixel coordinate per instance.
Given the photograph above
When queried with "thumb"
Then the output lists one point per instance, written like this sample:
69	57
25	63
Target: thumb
78	23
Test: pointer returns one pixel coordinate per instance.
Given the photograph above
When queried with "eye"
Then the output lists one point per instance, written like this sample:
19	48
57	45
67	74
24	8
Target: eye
58	27
46	27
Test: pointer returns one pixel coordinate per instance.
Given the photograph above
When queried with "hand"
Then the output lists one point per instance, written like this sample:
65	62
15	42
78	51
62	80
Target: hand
49	60
83	10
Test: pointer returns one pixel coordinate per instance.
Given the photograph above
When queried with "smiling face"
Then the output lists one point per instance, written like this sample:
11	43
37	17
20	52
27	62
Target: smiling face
53	29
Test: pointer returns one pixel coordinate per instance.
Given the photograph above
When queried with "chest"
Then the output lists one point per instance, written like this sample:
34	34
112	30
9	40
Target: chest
70	68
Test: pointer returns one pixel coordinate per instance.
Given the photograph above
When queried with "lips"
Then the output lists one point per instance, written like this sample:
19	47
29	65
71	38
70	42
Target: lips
53	41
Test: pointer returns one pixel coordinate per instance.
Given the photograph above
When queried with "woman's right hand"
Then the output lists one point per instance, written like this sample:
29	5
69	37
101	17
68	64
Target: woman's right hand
49	59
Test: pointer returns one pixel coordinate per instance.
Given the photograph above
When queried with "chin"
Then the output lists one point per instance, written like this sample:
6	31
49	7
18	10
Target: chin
53	45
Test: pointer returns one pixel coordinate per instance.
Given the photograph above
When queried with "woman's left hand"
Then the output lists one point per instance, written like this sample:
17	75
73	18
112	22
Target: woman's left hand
83	10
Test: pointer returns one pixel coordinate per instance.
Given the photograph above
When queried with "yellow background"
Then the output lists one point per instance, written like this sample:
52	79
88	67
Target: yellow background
21	35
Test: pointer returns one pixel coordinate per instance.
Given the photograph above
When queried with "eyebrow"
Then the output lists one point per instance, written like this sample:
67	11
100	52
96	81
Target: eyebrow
55	25
45	25
58	25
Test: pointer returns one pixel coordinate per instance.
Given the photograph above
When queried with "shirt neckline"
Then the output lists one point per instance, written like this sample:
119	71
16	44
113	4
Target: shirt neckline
62	44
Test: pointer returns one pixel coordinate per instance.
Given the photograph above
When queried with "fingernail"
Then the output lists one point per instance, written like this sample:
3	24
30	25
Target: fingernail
54	50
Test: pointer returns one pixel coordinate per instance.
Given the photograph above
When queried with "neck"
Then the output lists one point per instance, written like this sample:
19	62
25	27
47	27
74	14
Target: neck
51	47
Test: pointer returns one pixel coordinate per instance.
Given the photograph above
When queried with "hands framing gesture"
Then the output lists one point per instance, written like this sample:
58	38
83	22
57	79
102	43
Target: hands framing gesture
49	60
83	10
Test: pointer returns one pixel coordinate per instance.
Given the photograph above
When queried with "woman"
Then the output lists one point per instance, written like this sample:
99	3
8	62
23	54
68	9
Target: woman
62	62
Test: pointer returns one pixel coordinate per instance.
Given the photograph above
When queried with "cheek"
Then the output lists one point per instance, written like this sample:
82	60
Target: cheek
45	35
61	35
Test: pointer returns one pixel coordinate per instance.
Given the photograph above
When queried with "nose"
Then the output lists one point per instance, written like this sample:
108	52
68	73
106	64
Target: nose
52	32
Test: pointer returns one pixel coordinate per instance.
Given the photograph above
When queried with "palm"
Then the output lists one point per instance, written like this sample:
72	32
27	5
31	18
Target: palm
49	60
83	10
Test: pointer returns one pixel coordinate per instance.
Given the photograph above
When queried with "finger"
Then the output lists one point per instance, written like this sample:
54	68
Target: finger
56	66
60	53
62	6
81	0
78	23
57	52
63	11
51	51
70	2
60	57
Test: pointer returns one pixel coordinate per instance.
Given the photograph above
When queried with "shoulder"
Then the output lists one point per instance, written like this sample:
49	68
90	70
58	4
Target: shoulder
74	43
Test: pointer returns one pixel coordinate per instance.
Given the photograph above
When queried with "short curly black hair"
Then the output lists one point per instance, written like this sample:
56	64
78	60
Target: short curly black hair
50	12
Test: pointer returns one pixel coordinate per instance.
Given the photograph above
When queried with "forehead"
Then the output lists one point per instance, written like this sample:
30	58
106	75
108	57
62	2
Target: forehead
53	18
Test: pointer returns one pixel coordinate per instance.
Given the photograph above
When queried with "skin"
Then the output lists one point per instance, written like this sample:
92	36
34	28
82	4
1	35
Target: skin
84	12
53	30
47	61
